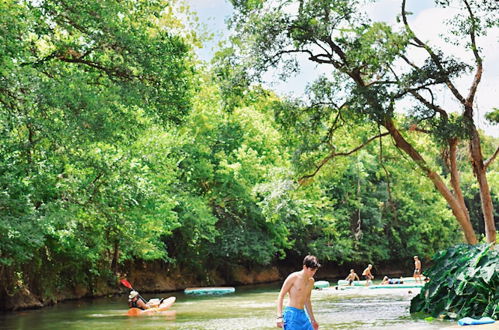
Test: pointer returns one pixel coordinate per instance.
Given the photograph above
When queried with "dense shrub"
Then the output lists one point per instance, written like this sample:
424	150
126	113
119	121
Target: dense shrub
464	282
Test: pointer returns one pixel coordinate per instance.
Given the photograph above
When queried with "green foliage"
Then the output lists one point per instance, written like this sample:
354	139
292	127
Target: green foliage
370	72
358	208
84	89
115	149
493	116
464	282
222	158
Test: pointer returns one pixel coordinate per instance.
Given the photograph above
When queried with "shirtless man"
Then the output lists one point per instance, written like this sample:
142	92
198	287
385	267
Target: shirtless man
299	285
417	270
367	274
351	277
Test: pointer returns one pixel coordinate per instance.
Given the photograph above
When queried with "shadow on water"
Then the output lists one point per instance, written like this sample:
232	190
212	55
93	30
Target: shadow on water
251	307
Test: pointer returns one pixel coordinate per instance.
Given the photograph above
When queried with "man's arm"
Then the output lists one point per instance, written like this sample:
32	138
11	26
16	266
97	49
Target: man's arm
142	304
288	283
308	306
357	277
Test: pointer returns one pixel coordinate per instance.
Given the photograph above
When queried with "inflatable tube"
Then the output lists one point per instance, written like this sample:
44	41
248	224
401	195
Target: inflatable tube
321	284
388	286
210	291
471	321
406	280
396	286
162	309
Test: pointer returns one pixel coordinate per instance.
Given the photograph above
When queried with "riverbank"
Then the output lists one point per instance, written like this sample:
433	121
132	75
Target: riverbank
159	277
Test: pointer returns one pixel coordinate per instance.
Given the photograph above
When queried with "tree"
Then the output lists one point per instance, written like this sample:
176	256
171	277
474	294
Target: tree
372	70
80	82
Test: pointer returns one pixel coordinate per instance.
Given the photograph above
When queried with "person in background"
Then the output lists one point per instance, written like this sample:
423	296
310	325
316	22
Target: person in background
299	286
351	277
135	301
387	280
417	270
367	274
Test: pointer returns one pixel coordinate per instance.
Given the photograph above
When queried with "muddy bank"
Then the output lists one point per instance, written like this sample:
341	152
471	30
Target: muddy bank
149	277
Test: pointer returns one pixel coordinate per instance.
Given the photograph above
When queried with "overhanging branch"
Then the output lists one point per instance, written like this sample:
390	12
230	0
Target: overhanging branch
432	54
332	155
491	159
414	92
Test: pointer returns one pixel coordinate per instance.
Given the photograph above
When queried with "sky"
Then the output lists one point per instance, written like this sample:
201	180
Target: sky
426	21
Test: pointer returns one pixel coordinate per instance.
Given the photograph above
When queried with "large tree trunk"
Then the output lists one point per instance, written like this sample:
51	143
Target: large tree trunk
455	179
459	212
116	256
481	175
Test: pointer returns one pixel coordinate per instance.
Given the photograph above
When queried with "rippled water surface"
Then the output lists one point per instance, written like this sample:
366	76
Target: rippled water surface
249	308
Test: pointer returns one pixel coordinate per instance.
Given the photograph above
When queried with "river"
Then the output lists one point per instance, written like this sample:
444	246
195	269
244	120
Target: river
251	307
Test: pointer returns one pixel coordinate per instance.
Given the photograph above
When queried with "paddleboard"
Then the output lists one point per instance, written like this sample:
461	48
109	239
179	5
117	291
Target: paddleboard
210	290
396	286
388	286
321	284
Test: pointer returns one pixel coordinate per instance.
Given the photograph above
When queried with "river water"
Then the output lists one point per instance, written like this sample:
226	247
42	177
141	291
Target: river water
251	307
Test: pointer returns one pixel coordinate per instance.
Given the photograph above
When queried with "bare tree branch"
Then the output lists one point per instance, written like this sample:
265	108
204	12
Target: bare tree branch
337	49
415	128
388	182
414	92
332	155
491	159
316	42
478	59
410	62
433	56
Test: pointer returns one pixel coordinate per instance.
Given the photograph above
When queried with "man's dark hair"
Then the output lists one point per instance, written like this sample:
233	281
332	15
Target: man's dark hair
311	262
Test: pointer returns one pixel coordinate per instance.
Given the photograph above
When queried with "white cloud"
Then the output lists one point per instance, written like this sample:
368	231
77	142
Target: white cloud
384	10
204	4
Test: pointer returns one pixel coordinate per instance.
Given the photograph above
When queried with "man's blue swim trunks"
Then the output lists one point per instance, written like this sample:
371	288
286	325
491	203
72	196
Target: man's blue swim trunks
296	319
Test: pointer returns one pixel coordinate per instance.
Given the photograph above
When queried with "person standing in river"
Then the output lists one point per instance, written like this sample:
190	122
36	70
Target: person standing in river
367	274
417	270
298	315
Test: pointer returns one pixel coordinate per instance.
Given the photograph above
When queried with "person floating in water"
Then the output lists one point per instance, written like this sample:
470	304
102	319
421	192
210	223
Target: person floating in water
299	286
367	274
387	280
351	277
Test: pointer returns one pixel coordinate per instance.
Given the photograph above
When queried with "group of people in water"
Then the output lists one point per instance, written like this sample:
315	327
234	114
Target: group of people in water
368	276
298	314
